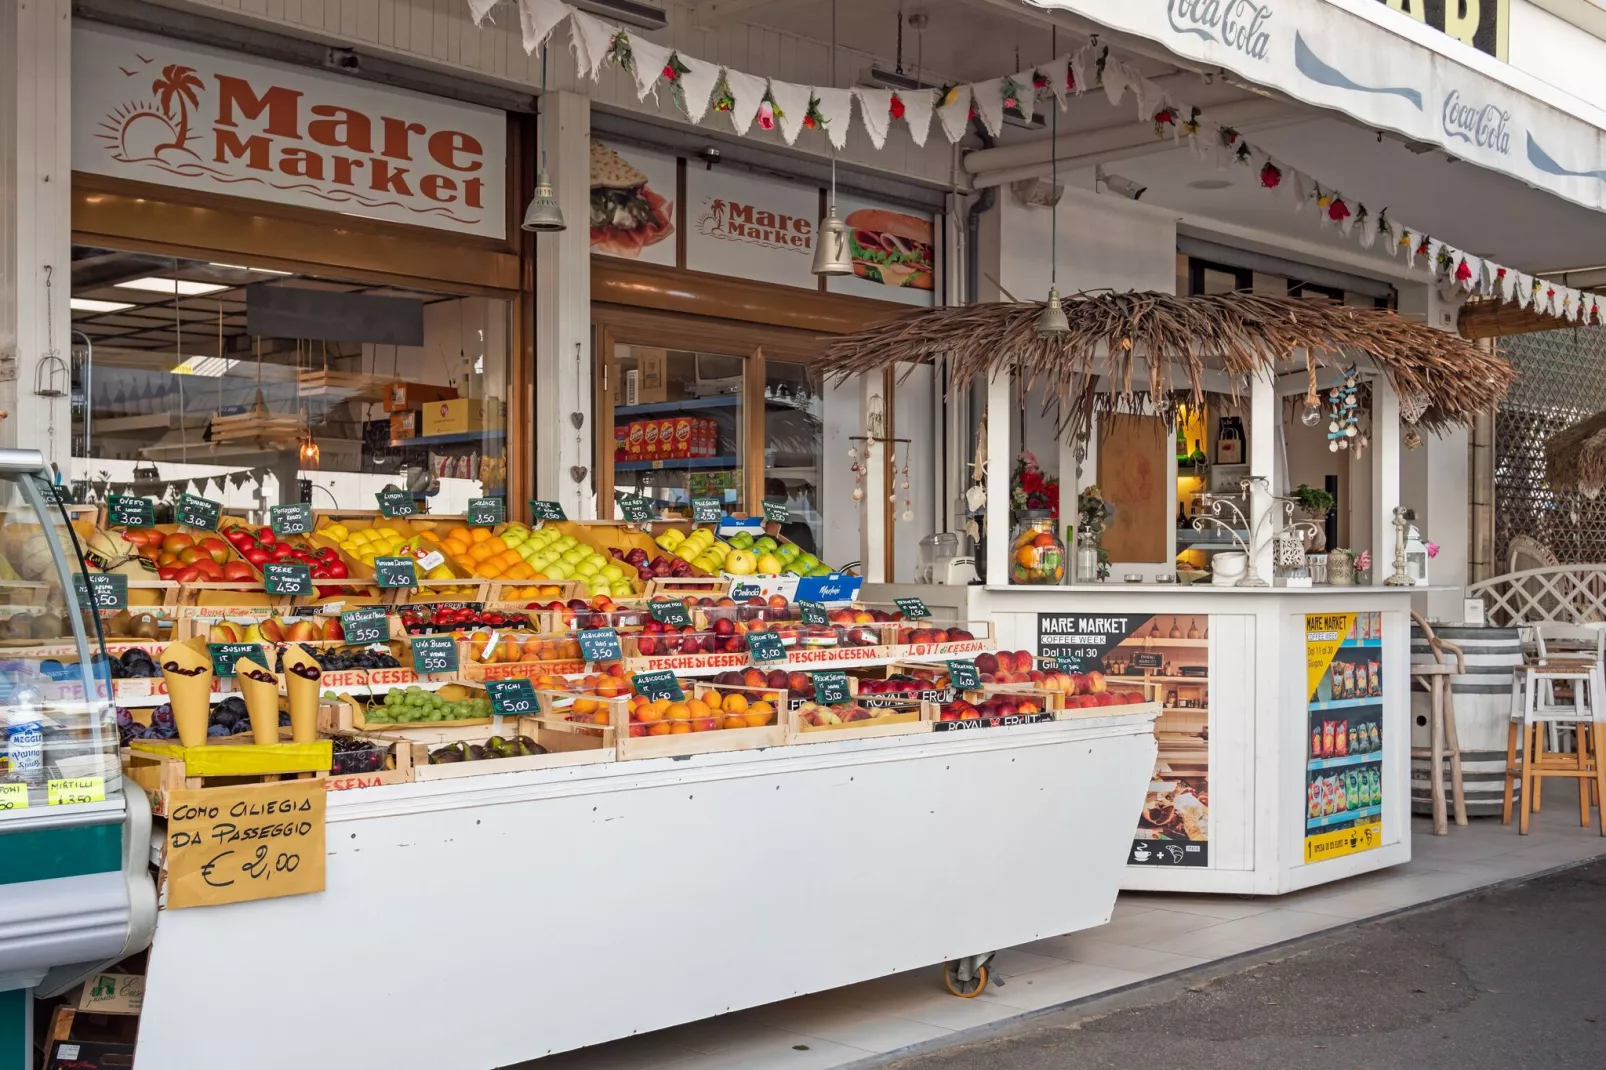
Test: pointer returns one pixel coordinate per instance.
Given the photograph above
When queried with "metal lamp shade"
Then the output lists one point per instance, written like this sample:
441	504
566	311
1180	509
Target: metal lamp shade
543	214
1051	321
831	256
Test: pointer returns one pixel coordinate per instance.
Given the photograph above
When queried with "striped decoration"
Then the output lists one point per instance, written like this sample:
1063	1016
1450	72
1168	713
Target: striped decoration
1482	701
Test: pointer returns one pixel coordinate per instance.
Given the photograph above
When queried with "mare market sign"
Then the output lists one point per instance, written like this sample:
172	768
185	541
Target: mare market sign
154	110
1368	61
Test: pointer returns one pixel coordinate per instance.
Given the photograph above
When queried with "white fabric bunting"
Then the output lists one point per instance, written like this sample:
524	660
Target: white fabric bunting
875	109
917	107
649	59
537	19
478	9
955	114
697	84
747	91
1082	69
1025	86
1057	72
988	97
590	37
792	100
836	108
1114	82
1473	281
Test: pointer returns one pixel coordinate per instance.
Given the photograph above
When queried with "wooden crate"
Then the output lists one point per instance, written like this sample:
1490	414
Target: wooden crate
905	644
342	386
261	426
694	587
346	713
567	744
631	745
559	705
567	589
901	719
160	767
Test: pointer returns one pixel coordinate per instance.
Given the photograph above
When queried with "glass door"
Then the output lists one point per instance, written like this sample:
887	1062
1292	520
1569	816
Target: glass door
679	427
794	442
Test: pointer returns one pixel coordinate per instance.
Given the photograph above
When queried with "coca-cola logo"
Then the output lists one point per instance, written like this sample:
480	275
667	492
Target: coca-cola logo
1236	24
1483	126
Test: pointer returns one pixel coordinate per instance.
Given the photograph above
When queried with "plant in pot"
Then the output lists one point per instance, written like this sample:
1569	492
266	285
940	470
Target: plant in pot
1313	504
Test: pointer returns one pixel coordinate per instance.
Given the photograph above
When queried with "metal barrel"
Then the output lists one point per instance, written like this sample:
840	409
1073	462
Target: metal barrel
1482	701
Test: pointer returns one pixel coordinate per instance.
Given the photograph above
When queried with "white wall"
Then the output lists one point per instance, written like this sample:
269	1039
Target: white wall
1434	480
1559	52
842	513
912	419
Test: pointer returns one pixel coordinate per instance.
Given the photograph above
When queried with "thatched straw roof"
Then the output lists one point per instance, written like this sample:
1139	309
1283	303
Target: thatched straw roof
1154	344
1575	459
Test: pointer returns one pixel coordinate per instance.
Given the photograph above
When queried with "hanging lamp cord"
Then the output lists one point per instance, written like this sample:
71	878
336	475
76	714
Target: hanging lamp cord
1054	168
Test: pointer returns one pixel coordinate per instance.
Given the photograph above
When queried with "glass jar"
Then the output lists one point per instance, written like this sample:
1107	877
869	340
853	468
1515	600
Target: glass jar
1036	552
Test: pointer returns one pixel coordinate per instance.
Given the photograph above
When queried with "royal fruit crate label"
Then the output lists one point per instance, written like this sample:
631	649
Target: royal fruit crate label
396	503
279	578
194	511
942	696
486	512
293	519
365	625
991	722
130	512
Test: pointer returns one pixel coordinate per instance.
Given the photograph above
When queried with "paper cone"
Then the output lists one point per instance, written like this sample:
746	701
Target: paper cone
190	695
303	693
261	700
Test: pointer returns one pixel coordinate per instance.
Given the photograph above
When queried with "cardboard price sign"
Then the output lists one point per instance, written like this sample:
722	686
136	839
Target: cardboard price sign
130	512
813	613
707	510
224	655
510	698
600	644
831	688
659	684
280	578
365	625
634	509
670	613
777	513
765	647
395	503
912	608
194	511
434	653
251	841
395	572
293	519
545	510
963	674
486	512
110	591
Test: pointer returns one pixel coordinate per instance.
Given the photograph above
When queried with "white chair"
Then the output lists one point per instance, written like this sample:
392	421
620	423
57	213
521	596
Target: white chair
1574	656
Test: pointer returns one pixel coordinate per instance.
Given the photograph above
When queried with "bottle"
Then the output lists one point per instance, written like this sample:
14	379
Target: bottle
1198	457
25	740
1182	445
1182	515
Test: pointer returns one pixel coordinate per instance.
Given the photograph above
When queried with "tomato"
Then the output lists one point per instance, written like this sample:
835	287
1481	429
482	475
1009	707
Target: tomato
187	575
266	537
258	557
167	573
238	572
336	569
279	551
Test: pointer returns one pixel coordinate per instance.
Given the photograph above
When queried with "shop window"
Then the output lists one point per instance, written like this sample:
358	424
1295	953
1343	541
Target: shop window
793	446
255	387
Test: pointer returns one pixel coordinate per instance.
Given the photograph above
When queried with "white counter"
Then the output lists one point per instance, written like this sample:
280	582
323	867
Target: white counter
484	921
1254	750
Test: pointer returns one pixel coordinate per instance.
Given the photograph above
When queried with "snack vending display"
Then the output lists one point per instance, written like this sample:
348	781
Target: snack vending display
1344	766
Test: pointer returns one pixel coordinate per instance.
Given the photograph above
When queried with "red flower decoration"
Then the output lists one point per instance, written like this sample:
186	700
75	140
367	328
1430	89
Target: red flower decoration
669	72
1550	294
897	107
1031	482
1338	211
1070	78
1039	81
1271	176
1500	274
971	116
1164	116
1463	272
809	123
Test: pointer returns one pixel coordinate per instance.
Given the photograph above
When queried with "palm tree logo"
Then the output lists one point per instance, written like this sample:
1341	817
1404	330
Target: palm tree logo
713	221
178	84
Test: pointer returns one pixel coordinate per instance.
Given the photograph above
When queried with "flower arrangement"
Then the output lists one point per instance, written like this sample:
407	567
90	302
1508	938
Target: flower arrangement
812	119
1338	211
1271	176
1012	95
768	113
896	108
723	100
1093	516
1029	488
672	73
1164	118
619	53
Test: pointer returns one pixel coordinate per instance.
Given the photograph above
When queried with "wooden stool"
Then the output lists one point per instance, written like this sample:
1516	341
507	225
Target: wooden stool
1442	736
1534	715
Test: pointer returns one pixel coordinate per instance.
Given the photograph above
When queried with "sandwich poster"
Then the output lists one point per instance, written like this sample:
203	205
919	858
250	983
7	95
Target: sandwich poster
632	203
894	253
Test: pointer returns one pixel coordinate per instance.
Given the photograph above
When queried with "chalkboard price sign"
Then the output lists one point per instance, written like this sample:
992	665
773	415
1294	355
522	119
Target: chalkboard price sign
194	511
396	503
365	625
600	644
964	675
659	684
511	698
831	688
765	647
913	608
777	513
707	510
110	591
813	613
293	519
395	572
544	510
286	579
486	512
434	653
130	512
634	509
674	613
224	656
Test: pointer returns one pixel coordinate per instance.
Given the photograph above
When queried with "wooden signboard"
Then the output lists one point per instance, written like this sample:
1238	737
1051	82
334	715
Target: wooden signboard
1132	475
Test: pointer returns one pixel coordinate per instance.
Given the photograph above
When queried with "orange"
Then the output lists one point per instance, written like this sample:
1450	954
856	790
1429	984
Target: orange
461	533
479	534
734	722
678	728
735	703
678	711
662	728
1026	557
489	570
600	717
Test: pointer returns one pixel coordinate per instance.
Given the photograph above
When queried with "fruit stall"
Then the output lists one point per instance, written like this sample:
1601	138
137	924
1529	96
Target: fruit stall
586	712
1174	564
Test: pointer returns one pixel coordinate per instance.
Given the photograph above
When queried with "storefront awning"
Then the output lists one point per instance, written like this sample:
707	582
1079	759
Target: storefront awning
1385	70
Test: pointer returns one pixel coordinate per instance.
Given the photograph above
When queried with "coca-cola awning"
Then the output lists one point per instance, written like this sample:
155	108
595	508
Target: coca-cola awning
1388	71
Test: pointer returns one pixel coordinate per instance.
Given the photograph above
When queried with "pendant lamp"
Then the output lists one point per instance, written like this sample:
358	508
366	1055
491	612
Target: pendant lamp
1051	322
544	213
831	255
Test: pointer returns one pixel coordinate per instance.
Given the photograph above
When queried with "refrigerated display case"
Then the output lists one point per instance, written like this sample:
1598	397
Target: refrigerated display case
74	847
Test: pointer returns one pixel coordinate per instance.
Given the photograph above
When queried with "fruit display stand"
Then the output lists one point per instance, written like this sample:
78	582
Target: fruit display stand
163	767
808	721
537	742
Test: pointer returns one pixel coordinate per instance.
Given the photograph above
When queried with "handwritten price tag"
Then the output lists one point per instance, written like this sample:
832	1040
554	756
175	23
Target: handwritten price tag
295	519
13	797
963	674
659	684
224	655
600	644
510	698
912	608
486	512
110	591
669	613
193	511
813	614
365	625
131	512
237	844
545	510
634	509
765	647
83	789
434	653
777	513
831	688
707	510
279	578
395	503
395	572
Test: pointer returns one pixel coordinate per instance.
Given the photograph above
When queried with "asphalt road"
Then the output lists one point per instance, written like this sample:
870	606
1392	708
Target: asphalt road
1512	979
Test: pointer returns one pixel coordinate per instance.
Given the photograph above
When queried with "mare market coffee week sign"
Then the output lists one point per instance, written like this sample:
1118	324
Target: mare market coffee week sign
153	110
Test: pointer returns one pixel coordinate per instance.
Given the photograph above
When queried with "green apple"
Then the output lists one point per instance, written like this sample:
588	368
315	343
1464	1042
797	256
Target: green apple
612	573
805	562
574	555
766	543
